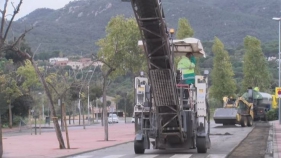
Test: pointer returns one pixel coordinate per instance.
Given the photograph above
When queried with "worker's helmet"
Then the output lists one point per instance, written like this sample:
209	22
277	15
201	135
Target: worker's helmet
256	89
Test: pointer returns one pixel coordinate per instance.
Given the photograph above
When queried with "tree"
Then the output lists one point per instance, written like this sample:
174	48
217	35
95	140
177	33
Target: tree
125	100
255	66
9	86
185	31
28	74
11	92
22	104
223	83
119	53
15	47
61	84
95	92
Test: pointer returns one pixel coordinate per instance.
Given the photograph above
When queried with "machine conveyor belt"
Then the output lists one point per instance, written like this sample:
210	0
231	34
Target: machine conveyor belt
150	17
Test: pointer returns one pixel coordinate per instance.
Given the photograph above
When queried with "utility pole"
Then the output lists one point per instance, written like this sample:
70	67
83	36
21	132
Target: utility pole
89	95
88	106
125	98
79	107
97	116
279	51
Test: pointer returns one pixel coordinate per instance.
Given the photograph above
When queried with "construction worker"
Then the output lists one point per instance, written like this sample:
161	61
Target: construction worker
187	65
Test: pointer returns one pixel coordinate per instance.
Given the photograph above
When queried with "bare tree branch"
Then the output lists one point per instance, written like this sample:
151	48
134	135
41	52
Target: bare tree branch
3	20
13	5
17	42
16	11
53	87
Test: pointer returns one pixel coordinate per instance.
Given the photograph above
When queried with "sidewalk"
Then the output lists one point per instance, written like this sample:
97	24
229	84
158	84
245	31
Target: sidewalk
81	140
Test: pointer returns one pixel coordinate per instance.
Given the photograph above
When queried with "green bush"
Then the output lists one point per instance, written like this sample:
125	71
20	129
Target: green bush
16	120
272	114
215	103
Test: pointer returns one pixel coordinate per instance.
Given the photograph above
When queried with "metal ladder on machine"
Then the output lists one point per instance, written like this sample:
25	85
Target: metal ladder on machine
151	20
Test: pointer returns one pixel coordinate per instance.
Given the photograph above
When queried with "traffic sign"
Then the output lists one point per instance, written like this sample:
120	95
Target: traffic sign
278	92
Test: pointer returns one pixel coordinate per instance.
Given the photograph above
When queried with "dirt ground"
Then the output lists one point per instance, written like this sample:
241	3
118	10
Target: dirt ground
254	145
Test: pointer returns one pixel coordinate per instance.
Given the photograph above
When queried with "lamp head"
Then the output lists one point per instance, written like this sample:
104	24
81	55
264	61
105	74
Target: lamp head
276	19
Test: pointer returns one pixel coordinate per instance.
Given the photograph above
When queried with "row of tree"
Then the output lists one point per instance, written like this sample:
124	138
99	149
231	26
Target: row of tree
255	66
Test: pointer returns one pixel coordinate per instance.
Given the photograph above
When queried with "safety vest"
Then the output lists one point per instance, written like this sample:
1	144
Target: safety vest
186	65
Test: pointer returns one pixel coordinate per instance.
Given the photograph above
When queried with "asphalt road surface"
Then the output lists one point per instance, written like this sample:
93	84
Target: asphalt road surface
223	140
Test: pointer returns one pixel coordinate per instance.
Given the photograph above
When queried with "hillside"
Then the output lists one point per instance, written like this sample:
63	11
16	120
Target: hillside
75	28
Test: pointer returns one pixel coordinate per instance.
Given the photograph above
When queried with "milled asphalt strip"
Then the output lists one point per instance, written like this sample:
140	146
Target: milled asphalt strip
79	153
239	143
275	144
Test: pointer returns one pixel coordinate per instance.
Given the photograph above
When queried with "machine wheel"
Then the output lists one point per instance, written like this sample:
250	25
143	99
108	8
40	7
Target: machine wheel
250	121
139	147
201	145
244	121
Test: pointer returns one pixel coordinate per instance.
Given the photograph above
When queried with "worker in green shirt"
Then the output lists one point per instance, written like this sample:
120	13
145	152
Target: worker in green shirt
187	65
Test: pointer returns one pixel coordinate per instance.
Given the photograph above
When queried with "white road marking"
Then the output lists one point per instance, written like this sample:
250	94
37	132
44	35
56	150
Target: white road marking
114	156
146	156
181	156
216	156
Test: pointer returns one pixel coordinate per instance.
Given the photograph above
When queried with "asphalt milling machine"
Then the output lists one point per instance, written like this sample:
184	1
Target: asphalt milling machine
251	106
168	114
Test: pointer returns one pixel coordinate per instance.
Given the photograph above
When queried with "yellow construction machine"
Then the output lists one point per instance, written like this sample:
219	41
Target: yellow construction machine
235	111
251	106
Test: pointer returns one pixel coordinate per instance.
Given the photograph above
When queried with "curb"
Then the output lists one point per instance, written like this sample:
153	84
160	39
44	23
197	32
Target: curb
270	142
83	152
239	143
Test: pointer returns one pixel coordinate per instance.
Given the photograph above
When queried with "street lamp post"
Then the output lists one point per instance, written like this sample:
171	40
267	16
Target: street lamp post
79	104
42	101
89	94
278	19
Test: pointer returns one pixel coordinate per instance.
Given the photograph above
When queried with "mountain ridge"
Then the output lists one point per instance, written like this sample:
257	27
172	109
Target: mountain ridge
76	27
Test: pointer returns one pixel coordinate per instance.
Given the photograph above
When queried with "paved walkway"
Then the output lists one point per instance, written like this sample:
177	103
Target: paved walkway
81	140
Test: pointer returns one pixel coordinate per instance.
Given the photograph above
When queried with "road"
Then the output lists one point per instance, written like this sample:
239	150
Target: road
223	139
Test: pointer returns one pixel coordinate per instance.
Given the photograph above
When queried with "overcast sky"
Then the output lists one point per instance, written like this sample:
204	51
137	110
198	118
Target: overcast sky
30	5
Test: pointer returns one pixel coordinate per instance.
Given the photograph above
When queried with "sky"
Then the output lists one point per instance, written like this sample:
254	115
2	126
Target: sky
31	5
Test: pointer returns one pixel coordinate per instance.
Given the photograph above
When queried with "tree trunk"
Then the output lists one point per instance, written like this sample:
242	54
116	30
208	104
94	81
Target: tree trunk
1	140
61	114
10	116
65	125
83	116
69	118
73	118
102	120
79	112
52	108
93	113
105	110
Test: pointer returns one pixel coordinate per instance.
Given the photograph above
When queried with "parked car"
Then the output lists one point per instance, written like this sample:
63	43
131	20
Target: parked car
113	118
133	120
